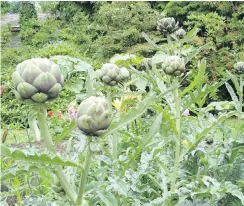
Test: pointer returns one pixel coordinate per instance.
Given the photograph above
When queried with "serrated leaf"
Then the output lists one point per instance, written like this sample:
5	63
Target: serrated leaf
190	35
66	131
233	96
149	40
235	191
22	155
235	81
196	51
153	129
202	134
13	172
108	198
92	186
121	57
198	77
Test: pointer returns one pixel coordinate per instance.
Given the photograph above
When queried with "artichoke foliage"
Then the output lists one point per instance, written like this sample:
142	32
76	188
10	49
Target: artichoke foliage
38	79
94	115
239	67
111	74
173	65
167	25
180	33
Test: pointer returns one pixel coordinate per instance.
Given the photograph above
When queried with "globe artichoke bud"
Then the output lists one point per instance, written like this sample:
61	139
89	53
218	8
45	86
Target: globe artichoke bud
239	67
180	33
124	73
111	74
167	25
173	65
94	115
37	79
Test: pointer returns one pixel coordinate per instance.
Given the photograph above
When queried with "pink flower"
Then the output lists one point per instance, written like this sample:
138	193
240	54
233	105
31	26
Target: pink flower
72	111
186	112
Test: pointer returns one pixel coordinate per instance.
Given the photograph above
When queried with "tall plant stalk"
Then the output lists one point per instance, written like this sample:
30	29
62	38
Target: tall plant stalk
84	174
115	149
41	117
114	137
240	106
178	135
169	43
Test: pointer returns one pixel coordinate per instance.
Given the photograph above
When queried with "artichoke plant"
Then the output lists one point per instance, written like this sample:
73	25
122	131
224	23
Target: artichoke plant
146	62
173	65
38	79
180	33
94	115
167	25
111	74
239	67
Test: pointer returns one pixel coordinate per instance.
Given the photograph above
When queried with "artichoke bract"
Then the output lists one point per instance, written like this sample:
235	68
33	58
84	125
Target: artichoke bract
167	25
111	74
239	67
180	33
38	79
173	65
94	115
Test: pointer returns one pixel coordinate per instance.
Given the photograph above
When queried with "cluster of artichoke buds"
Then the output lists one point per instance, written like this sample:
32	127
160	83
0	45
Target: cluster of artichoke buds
94	115
173	65
38	79
111	74
167	25
180	33
239	67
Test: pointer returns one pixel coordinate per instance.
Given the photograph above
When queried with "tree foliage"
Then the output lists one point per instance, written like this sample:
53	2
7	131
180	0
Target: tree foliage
27	12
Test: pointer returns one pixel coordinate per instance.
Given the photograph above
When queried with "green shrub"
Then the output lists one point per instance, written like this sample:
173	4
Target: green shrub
27	12
118	26
5	36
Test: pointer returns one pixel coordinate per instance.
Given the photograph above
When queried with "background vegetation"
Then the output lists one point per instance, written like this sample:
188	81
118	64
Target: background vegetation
93	32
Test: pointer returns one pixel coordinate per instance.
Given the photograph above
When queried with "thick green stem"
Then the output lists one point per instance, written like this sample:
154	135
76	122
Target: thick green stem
84	174
114	138
178	138
240	105
115	148
41	117
169	42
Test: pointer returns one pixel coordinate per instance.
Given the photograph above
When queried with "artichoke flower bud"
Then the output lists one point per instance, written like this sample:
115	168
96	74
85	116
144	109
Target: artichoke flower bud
94	115
239	67
173	65
37	79
167	25
124	73
111	74
180	33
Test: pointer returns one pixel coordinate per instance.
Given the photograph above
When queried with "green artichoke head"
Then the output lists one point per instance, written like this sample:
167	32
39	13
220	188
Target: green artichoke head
180	33
111	74
239	67
94	115
125	74
38	79
173	65
167	25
